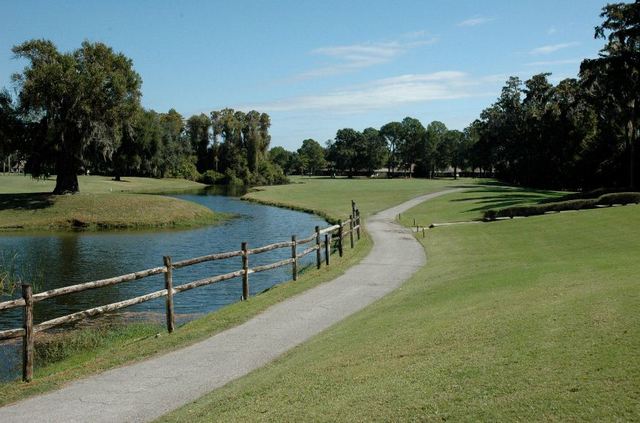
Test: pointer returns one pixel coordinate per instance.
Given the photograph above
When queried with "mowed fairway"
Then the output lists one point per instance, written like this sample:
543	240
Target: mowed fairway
529	319
331	197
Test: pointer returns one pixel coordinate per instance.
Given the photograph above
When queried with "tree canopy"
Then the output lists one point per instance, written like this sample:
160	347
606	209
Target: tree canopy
70	101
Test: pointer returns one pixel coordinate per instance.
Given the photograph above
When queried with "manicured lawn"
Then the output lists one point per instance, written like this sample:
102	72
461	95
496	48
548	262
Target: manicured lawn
26	203
470	203
96	184
328	196
529	319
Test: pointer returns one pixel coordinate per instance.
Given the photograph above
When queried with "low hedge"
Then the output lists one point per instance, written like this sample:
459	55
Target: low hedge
620	198
579	204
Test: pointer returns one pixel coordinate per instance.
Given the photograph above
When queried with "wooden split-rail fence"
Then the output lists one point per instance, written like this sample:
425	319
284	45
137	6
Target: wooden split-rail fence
321	240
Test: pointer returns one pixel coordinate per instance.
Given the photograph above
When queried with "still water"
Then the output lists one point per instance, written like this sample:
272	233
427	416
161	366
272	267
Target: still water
69	258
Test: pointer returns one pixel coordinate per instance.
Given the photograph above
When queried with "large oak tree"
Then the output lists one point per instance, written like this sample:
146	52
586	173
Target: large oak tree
74	100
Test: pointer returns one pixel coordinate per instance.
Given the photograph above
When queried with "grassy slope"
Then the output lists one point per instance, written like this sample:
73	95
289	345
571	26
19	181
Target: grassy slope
328	196
471	203
25	203
89	352
531	319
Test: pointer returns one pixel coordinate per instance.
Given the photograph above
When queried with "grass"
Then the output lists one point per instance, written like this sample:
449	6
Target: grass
525	320
90	351
102	203
471	203
16	184
327	196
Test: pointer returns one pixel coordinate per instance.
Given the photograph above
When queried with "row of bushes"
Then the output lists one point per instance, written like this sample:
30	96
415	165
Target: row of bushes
579	204
594	194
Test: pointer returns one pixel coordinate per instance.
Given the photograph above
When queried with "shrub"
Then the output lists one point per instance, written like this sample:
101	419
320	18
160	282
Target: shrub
620	198
577	204
186	169
571	205
211	177
230	178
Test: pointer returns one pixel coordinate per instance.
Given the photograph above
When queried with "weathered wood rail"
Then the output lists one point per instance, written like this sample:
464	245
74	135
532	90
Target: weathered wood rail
320	238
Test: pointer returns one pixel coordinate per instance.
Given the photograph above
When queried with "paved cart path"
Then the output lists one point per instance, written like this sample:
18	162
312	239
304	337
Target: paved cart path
146	390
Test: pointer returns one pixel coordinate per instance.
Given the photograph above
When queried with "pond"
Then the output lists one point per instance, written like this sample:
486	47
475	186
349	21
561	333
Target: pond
63	259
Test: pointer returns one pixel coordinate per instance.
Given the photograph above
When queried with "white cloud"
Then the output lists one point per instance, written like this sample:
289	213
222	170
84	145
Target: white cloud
554	62
388	92
478	20
349	58
551	48
552	30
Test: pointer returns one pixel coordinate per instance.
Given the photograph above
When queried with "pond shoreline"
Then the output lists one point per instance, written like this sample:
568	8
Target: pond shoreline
76	257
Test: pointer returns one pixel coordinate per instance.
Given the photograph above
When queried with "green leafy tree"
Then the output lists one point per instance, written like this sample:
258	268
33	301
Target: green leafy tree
613	79
312	156
11	129
392	134
376	152
244	143
177	150
283	158
74	100
451	151
197	131
413	136
433	153
346	152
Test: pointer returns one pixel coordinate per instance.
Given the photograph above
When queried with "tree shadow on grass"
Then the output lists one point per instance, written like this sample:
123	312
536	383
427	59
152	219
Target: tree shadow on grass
491	197
30	201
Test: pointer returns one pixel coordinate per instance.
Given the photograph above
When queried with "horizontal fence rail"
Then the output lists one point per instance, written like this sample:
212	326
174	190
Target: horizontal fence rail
322	239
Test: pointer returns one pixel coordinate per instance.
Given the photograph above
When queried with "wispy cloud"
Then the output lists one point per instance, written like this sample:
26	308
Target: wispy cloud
551	48
388	92
475	21
552	30
554	62
349	58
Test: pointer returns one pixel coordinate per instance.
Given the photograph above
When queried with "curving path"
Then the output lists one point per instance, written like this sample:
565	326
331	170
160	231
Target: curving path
147	390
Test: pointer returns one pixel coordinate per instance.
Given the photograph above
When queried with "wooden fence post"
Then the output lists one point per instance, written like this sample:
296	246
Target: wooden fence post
353	208
294	256
327	248
168	284
245	275
351	230
340	236
423	233
318	253
358	222
27	341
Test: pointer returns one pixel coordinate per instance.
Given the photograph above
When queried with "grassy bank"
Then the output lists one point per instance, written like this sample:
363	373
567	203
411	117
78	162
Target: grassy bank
90	351
532	319
102	203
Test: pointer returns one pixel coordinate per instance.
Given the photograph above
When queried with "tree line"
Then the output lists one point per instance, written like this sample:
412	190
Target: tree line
80	112
581	133
405	148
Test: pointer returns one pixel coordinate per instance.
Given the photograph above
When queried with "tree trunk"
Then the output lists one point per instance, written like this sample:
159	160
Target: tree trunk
632	154
67	174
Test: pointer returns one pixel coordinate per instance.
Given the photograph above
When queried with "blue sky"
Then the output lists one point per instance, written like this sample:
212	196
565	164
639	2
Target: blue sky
318	66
